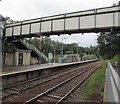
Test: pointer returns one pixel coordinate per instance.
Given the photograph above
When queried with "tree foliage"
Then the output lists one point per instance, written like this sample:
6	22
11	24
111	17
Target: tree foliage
47	45
109	44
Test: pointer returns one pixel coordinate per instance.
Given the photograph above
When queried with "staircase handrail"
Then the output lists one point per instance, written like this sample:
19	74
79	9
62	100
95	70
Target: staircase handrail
32	47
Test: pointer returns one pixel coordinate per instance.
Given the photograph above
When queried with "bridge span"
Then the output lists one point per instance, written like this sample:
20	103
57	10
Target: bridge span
95	20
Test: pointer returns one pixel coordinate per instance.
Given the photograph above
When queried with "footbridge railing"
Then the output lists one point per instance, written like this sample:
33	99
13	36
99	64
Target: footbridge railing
94	20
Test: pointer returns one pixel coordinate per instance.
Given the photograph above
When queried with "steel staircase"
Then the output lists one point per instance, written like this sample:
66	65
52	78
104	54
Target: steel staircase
33	48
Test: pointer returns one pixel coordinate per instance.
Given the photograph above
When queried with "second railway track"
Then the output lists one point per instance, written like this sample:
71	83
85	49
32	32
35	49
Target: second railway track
25	85
59	92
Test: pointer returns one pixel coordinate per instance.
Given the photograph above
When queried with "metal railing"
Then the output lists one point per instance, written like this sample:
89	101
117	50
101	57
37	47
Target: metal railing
33	48
113	84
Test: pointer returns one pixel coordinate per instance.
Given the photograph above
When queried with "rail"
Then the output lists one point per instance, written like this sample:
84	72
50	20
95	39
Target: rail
113	84
35	49
61	98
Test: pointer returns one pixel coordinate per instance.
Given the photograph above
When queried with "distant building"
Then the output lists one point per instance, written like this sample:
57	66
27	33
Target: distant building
72	58
69	52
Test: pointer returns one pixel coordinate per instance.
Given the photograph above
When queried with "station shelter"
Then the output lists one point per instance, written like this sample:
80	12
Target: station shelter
18	58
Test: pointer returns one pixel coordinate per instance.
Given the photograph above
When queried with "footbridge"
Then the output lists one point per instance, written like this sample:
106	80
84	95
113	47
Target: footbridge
95	20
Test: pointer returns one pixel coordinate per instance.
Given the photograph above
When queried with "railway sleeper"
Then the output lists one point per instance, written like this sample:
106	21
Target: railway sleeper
58	93
54	96
15	92
48	99
14	89
40	101
4	95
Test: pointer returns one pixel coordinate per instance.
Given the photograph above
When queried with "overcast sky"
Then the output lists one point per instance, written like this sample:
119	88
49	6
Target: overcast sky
29	9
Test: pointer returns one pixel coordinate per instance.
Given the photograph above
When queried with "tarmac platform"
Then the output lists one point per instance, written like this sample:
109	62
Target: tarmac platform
13	74
6	70
17	69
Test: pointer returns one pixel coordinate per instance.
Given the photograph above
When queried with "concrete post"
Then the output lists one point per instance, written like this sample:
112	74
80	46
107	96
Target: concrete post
1	34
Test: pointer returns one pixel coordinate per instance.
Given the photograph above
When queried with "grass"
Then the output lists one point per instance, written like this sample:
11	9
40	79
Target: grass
94	87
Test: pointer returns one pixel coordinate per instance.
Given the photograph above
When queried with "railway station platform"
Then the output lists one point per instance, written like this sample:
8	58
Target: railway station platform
7	70
12	75
18	69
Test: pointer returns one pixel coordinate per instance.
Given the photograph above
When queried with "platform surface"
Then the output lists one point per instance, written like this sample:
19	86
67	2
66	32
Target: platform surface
7	70
17	69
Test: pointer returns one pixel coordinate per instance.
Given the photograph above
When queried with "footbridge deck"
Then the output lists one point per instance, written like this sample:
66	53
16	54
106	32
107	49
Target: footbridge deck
95	20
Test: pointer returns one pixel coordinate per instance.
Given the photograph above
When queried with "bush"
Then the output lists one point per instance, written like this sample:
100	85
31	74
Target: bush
89	57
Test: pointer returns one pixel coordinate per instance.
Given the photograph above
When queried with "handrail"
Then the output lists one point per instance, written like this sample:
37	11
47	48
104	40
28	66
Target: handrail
114	84
32	47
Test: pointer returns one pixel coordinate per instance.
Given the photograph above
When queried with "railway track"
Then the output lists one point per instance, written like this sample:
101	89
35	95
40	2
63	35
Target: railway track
59	92
23	86
46	84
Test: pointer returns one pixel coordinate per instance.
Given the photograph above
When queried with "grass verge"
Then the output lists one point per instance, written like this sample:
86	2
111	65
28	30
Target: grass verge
93	89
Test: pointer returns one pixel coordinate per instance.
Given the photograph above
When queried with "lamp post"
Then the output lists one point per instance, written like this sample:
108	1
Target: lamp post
118	54
62	47
77	47
40	56
95	42
54	54
54	51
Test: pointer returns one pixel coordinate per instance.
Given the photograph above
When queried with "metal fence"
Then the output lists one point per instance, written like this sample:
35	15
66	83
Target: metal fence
113	84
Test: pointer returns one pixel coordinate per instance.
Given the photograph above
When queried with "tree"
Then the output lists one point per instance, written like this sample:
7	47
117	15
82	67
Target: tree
48	45
109	44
